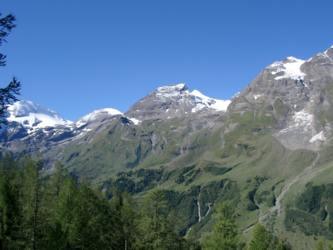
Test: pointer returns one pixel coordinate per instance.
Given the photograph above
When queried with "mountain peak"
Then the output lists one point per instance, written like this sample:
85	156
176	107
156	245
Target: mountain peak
34	116
288	68
173	87
175	101
171	90
195	97
105	112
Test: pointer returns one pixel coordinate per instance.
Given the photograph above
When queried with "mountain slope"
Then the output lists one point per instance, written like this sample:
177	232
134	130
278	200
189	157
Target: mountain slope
268	150
175	101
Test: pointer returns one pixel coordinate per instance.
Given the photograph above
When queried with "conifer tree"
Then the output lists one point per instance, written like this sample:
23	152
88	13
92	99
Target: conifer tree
264	239
157	231
126	220
10	214
7	94
224	235
261	238
31	202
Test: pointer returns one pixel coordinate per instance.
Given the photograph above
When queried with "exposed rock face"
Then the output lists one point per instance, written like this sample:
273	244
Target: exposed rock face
298	94
175	101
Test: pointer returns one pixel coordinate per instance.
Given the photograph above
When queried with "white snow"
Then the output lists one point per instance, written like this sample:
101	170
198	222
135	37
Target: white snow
171	87
195	97
318	137
301	120
220	105
255	97
198	107
290	68
103	112
135	121
205	101
171	90
34	116
95	114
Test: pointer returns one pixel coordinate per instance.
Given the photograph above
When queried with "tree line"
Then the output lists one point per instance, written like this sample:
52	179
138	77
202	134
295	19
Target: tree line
57	211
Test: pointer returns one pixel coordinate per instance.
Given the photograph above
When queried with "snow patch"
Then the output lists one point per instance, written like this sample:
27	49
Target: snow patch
95	114
255	97
318	137
181	93
33	116
171	90
205	101
300	120
289	68
135	121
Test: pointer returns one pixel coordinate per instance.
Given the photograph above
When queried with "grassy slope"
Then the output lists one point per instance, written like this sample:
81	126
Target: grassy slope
247	156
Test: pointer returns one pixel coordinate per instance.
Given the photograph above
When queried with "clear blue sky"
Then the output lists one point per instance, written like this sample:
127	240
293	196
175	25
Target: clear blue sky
75	56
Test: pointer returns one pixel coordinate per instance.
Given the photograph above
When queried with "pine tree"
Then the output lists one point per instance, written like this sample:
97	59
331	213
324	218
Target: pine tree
263	239
31	202
10	213
62	235
126	224
83	219
7	94
224	234
7	23
156	230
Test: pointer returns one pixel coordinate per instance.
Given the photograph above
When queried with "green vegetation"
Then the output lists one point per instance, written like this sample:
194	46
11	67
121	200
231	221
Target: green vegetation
7	94
263	239
224	235
60	212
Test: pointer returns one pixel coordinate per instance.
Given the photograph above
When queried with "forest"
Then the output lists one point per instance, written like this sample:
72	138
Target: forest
60	211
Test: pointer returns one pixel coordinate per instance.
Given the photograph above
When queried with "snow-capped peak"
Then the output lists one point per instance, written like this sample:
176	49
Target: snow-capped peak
205	101
181	93
97	113
288	68
33	116
171	90
101	113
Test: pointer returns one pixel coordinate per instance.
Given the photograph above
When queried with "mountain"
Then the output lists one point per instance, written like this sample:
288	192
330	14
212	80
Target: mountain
299	94
33	116
268	151
175	101
31	128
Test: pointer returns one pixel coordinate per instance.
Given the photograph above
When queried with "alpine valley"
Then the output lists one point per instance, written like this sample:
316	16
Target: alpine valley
268	150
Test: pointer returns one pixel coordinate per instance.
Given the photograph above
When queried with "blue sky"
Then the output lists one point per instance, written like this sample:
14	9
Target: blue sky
75	56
